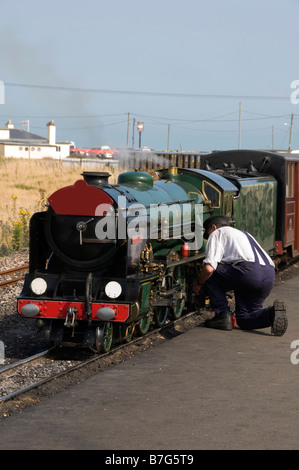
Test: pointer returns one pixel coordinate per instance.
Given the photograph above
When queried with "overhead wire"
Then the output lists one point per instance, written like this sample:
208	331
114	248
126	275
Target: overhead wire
175	122
148	93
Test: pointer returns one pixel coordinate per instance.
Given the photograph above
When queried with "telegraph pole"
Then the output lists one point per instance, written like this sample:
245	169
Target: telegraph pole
291	129
133	137
168	137
240	106
128	128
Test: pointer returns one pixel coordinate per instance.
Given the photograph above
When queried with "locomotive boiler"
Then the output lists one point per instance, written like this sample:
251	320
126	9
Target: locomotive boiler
108	260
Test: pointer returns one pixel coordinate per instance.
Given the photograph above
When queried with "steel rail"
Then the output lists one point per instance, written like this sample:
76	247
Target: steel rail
96	357
13	365
9	282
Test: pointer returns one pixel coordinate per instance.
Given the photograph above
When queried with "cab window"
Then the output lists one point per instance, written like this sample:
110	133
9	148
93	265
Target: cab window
290	177
211	193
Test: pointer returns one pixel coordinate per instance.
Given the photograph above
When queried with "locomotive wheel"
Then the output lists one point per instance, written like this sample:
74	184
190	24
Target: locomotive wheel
48	332
179	278
127	332
160	316
143	325
177	311
104	336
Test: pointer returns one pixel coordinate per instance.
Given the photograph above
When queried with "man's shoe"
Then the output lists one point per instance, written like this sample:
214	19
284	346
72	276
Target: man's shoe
280	320
223	321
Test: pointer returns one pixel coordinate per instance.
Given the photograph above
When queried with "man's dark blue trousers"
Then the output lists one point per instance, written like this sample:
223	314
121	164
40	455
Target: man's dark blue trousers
251	282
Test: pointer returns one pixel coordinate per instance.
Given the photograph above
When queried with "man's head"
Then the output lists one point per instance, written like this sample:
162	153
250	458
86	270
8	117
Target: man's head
216	221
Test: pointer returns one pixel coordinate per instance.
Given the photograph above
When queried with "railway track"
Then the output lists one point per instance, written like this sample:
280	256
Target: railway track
34	371
11	377
11	272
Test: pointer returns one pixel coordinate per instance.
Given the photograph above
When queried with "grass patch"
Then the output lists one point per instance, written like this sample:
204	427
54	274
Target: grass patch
25	186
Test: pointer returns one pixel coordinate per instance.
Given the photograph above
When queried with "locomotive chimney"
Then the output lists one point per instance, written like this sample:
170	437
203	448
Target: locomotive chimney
96	178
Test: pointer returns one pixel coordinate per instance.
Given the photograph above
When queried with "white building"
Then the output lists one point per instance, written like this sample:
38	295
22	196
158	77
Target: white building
19	143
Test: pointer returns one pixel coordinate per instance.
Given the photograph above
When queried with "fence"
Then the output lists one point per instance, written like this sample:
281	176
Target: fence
140	160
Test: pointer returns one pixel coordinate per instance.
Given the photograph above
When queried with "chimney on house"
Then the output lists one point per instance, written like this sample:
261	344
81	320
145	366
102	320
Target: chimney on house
51	133
9	125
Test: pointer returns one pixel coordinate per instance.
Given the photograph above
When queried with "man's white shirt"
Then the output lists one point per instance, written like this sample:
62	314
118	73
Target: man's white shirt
229	245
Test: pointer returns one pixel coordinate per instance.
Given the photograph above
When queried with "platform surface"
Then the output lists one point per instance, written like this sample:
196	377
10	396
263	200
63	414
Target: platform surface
204	389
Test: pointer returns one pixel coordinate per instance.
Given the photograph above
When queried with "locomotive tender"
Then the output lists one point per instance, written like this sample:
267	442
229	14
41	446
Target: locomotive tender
102	266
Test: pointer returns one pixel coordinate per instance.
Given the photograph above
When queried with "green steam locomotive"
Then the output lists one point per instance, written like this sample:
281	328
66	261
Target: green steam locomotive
109	260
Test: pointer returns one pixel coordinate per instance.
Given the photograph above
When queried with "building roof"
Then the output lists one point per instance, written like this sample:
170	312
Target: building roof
22	135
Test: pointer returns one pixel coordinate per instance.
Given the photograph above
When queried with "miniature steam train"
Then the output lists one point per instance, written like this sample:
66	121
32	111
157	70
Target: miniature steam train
107	261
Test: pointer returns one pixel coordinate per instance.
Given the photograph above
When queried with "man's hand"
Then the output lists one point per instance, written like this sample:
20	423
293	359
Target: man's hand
197	288
205	273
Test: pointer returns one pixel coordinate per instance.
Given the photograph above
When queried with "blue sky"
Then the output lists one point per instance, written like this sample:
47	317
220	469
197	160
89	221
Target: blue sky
219	52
